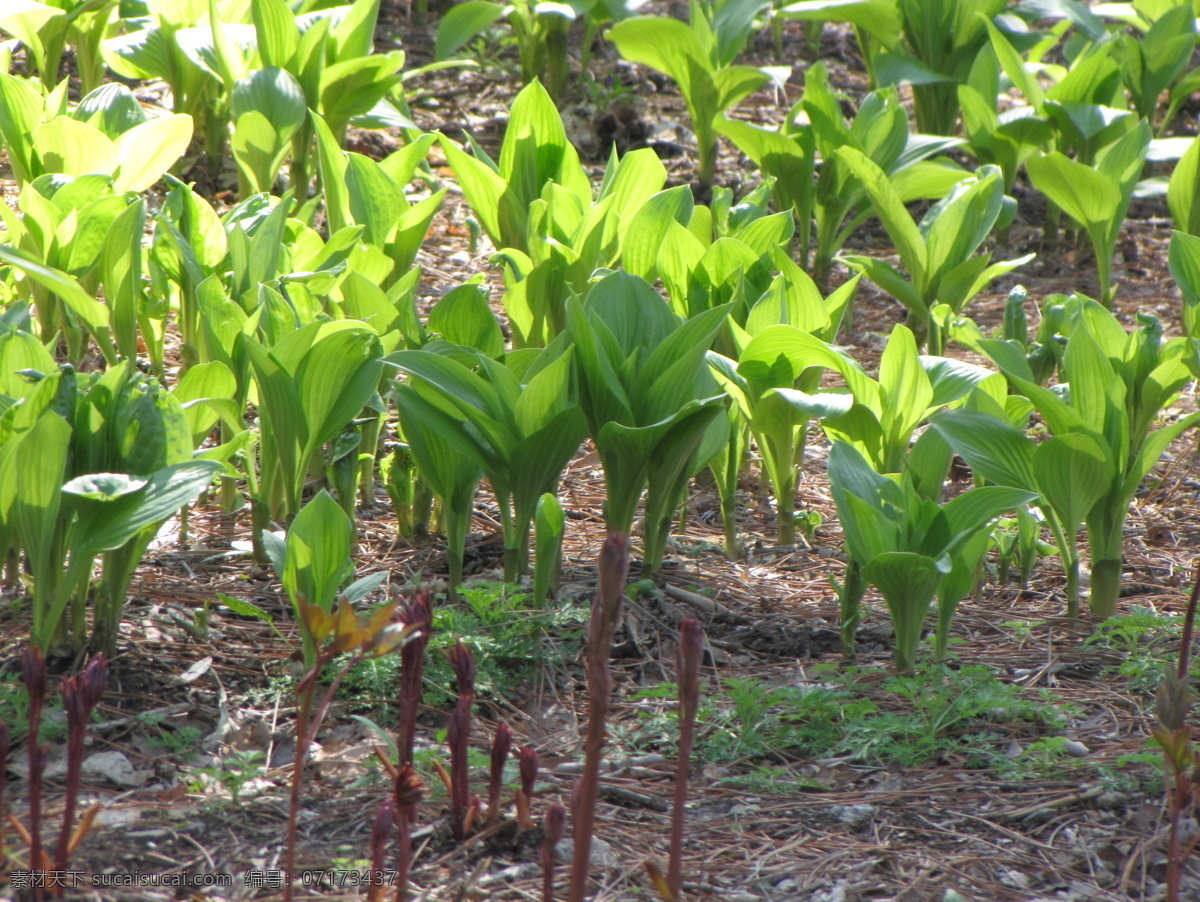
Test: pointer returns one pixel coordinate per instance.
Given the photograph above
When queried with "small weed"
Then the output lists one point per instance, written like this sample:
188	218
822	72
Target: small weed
508	636
234	772
942	714
1147	639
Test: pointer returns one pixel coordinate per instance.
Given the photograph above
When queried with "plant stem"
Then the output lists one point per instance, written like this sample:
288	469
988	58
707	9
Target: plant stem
691	652
606	611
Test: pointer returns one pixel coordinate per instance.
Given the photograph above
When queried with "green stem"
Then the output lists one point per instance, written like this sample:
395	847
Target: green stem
850	595
1106	586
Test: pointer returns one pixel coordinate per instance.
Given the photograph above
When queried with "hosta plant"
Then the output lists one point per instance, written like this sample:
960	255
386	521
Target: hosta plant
905	543
1096	196
311	384
648	397
540	29
939	252
699	58
535	151
880	130
46	29
113	461
517	420
886	412
774	386
929	44
1119	384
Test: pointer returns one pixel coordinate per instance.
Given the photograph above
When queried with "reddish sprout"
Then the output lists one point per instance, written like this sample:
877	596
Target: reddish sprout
458	734
380	832
463	663
501	746
555	826
419	613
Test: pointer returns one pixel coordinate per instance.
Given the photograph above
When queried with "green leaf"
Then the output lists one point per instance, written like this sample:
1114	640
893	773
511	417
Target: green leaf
1073	473
993	449
317	553
167	138
463	316
463	23
103	486
1084	194
109	524
888	206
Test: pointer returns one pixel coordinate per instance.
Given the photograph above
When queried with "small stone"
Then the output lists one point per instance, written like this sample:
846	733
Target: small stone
600	854
854	815
1075	749
461	258
1111	801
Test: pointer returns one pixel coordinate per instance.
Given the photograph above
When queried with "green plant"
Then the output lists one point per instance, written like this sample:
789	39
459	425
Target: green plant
880	130
548	521
648	398
949	712
938	254
540	30
1155	58
523	425
1183	259
311	384
45	29
1120	382
312	561
237	770
887	411
930	44
1183	192
773	387
535	151
359	191
1146	641
698	57
113	461
1002	137
907	544
1096	196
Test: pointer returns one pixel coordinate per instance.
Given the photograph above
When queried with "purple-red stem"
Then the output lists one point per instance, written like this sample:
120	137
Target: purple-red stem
501	745
33	672
408	792
306	732
555	826
687	674
419	613
3	786
379	843
606	612
458	737
1184	790
37	763
80	695
527	767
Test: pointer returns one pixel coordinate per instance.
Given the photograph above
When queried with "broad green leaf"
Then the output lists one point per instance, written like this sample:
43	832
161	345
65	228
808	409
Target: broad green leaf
463	23
993	449
167	138
1073	473
891	211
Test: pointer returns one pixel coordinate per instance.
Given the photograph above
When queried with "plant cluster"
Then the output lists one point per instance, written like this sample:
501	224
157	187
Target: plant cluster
303	368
